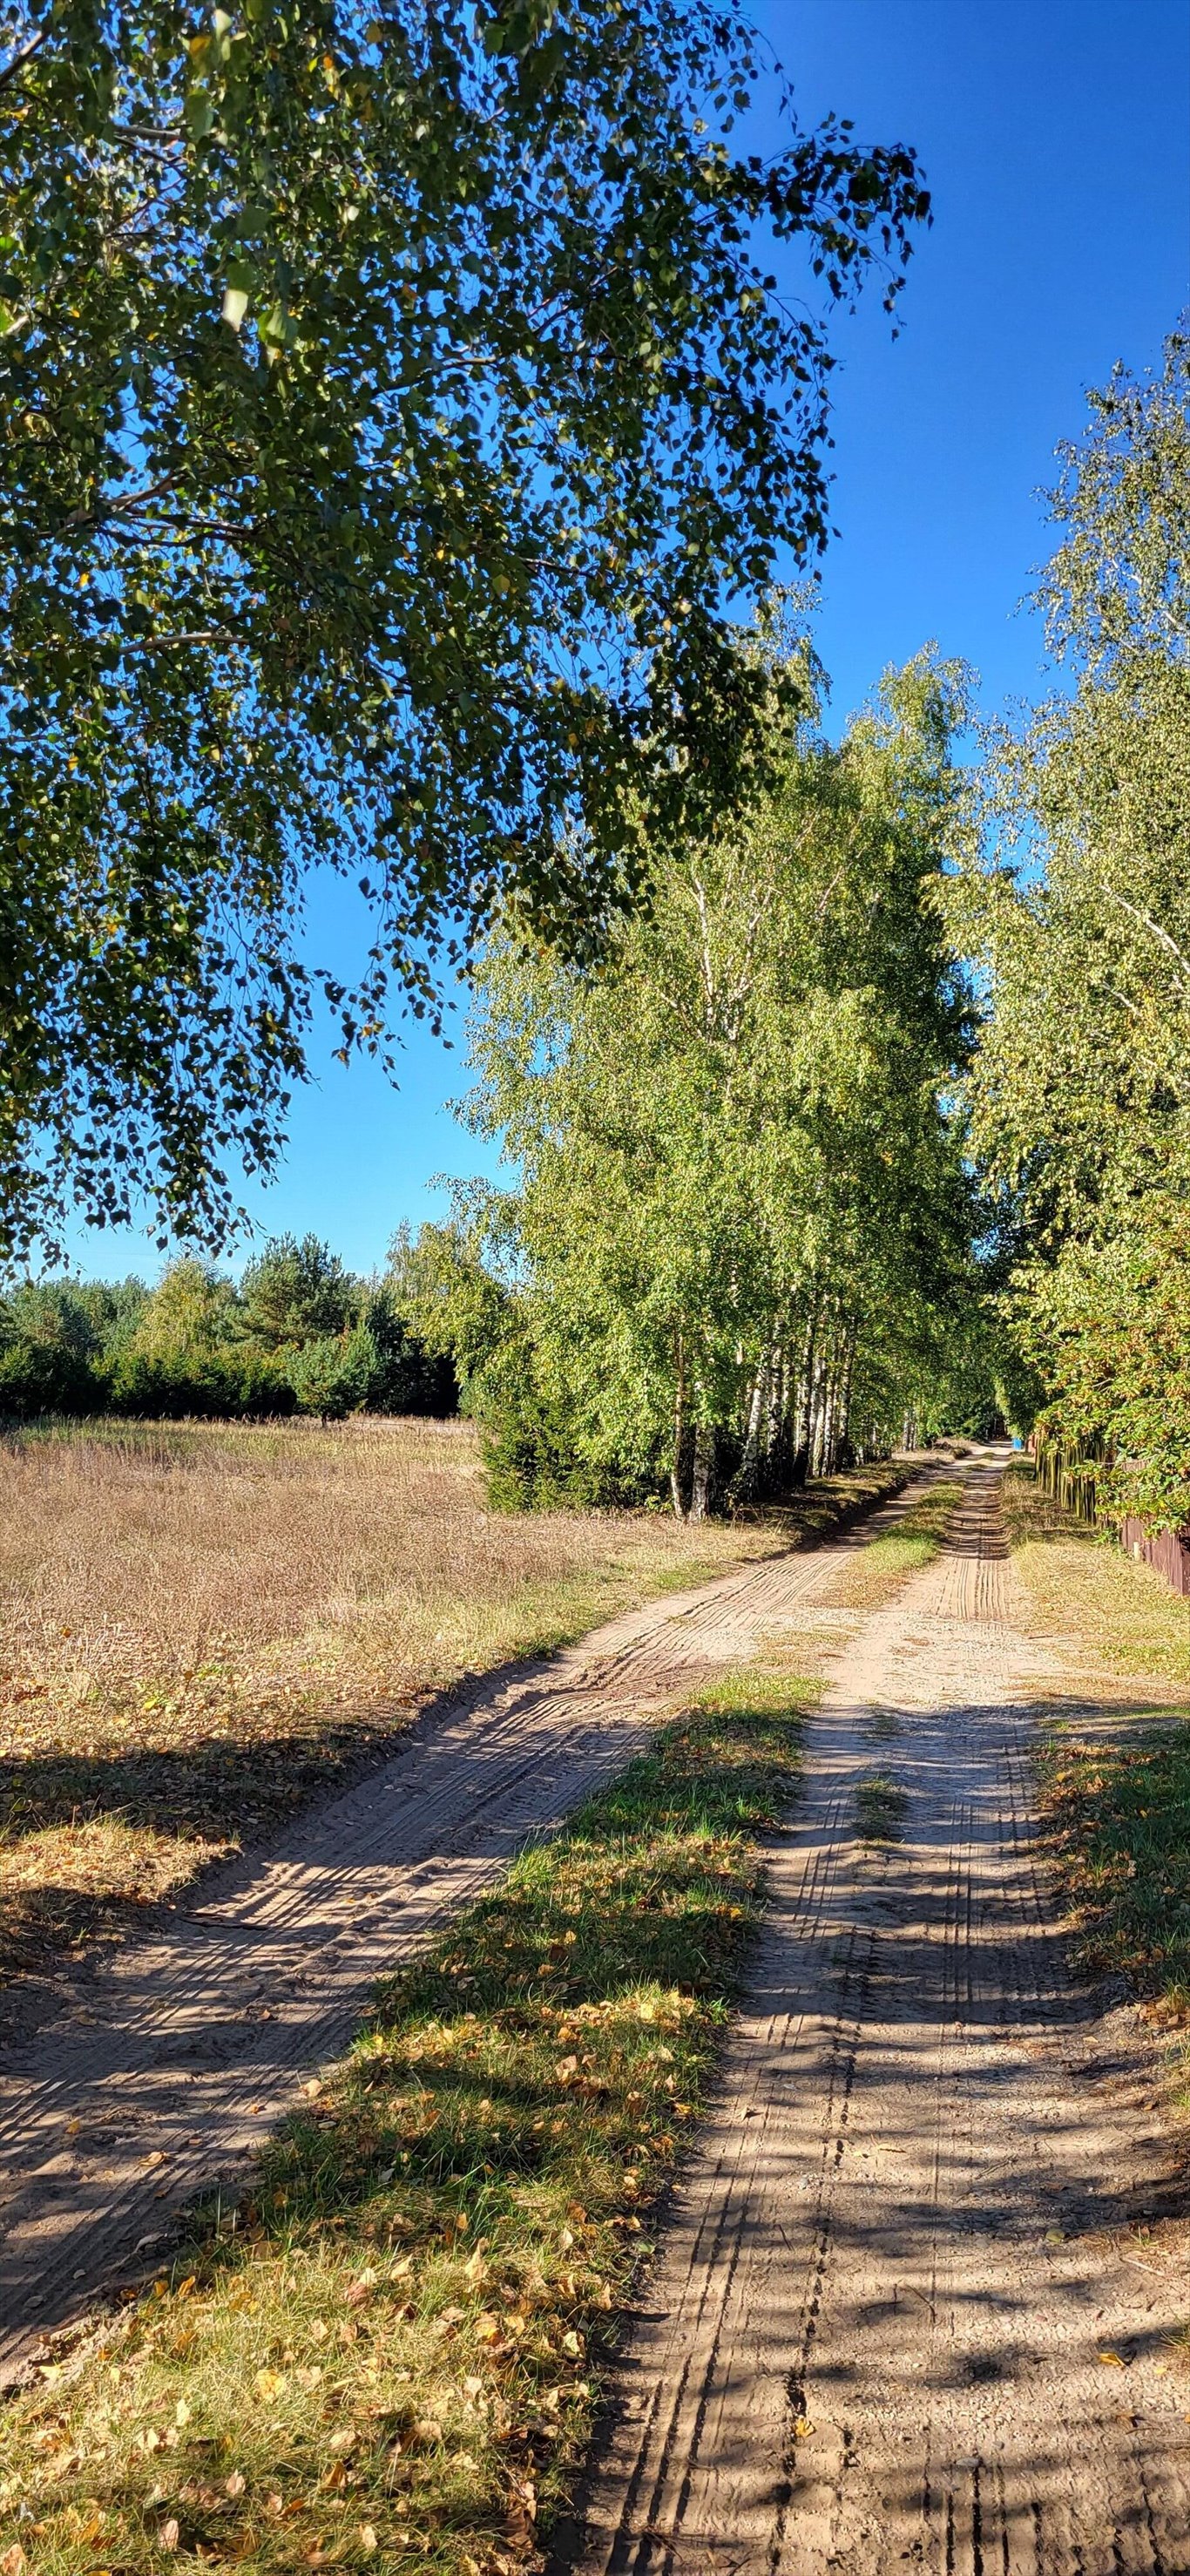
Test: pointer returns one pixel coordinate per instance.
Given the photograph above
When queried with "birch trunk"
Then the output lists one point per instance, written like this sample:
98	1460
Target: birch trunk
818	1409
677	1473
748	1477
844	1446
703	1482
803	1403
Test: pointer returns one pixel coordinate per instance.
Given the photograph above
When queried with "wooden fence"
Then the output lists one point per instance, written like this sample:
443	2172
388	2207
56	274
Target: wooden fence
1167	1551
1070	1475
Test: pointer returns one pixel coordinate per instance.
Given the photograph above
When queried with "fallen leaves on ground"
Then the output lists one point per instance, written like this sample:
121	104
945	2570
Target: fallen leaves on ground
393	2350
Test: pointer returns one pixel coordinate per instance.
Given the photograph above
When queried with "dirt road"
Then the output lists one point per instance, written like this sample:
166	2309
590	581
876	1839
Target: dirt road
906	2315
167	2065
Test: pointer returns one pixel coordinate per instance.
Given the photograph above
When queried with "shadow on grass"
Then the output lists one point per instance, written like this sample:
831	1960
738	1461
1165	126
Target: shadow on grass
1117	1809
393	2347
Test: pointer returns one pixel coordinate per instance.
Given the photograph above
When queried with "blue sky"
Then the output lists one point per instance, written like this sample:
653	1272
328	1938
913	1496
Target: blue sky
1056	141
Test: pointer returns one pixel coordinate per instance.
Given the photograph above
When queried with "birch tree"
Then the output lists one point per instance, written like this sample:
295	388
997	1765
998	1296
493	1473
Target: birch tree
1080	913
742	1222
394	399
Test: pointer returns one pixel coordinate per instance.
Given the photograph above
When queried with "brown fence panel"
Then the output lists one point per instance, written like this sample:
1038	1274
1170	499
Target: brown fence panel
1070	1476
1168	1552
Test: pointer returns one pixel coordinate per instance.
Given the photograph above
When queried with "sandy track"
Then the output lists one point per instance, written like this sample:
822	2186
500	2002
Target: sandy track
871	2342
173	2060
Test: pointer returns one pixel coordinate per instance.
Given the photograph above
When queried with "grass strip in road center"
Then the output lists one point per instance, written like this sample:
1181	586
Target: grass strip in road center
880	1807
392	2352
878	1570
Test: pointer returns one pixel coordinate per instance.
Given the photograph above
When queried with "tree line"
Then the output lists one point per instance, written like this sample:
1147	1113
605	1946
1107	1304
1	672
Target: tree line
737	1251
868	1119
402	422
1075	901
299	1334
875	1117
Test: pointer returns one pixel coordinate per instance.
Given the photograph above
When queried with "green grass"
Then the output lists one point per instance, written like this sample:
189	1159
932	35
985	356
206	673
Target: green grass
880	1806
1117	1813
883	1565
392	2352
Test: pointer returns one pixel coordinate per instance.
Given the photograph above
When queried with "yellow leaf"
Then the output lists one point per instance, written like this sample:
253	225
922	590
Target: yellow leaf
367	2536
1113	2358
270	2383
181	2412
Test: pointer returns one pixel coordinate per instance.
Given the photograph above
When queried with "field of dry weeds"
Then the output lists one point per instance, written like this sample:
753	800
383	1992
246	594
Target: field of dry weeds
201	1625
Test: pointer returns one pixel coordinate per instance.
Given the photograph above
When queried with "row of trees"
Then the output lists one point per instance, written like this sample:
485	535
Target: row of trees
738	1248
300	1333
398	407
1077	907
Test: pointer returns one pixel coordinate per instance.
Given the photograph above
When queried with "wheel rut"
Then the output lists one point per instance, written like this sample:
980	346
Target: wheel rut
873	2338
169	2061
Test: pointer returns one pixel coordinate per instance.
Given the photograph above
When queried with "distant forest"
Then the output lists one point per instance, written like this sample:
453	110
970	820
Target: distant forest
300	1334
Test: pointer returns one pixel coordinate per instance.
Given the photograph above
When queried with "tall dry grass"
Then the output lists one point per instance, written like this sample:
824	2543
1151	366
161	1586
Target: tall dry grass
201	1624
140	1559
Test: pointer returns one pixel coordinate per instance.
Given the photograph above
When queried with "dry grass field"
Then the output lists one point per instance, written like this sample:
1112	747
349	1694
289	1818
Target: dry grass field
202	1625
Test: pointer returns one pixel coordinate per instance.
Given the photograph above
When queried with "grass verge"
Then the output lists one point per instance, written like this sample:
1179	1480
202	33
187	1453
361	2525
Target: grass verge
1115	1799
1117	1816
204	1627
1116	1613
392	2352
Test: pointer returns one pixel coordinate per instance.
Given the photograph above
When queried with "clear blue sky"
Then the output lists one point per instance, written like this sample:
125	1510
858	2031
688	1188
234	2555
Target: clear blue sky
1056	141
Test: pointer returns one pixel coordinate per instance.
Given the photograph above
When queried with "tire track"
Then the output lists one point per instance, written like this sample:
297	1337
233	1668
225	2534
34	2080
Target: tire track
872	2339
176	2056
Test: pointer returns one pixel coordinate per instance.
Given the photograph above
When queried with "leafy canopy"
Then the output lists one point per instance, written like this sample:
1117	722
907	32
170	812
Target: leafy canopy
734	1164
395	399
1080	912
